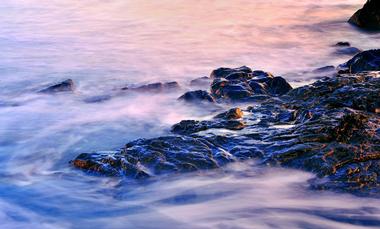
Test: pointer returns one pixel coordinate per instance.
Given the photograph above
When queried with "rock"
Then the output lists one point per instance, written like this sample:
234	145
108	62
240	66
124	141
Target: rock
343	44
64	86
365	61
329	68
223	72
278	86
236	85
187	127
202	81
368	17
157	87
348	51
330	128
234	113
196	97
146	157
97	98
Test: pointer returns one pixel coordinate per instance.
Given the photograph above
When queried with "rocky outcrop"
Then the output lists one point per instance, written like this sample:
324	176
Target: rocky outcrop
330	128
239	84
64	86
368	17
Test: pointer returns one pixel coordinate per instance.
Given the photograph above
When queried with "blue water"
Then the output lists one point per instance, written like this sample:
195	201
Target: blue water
106	45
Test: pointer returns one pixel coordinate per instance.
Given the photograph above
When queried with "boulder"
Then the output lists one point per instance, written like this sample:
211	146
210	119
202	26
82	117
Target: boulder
368	17
365	61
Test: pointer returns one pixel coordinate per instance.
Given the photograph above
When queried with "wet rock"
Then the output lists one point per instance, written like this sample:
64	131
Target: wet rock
329	68
64	86
348	51
368	17
343	44
365	61
236	85
234	113
278	86
187	127
157	87
197	96
330	128
224	72
200	82
97	98
146	157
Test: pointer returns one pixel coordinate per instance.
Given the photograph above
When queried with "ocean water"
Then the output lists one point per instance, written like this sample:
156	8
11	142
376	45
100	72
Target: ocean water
106	45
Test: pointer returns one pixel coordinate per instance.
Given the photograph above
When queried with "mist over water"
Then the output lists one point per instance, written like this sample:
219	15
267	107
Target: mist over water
106	45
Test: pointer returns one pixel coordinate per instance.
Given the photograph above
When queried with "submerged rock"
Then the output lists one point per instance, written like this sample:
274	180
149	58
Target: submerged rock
348	51
328	68
64	86
200	82
330	128
368	17
156	87
196	97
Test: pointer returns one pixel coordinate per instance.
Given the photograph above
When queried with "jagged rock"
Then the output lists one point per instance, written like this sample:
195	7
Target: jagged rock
368	17
330	128
64	86
197	96
365	61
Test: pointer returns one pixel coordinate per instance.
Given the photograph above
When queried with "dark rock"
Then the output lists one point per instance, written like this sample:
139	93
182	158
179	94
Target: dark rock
368	17
365	61
146	157
330	128
157	87
278	86
197	96
343	44
329	68
187	127
97	98
202	81
64	86
348	51
223	72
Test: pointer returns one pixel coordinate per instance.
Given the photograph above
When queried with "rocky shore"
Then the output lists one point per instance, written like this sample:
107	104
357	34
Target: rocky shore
330	128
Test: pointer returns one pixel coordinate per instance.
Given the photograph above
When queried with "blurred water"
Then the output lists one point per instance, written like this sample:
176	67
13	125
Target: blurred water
105	45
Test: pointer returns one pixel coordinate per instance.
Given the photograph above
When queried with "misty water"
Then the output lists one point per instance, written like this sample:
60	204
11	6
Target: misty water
106	45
